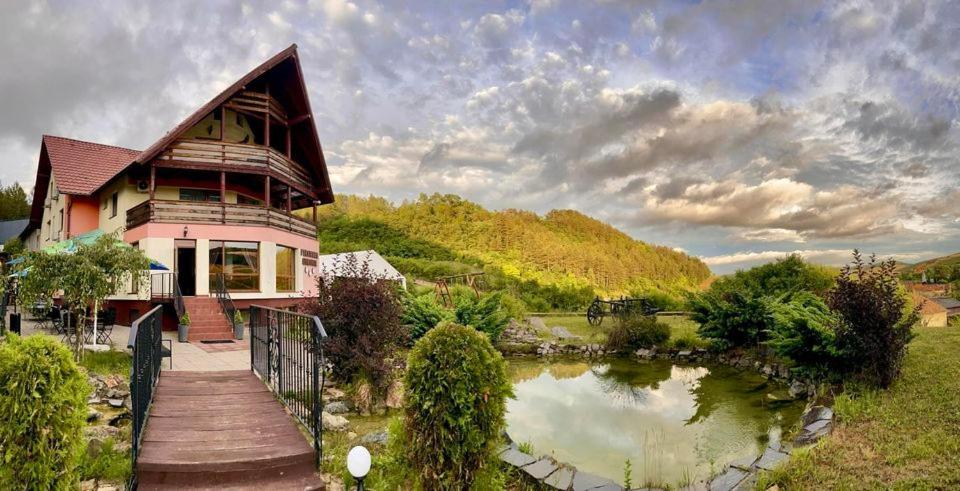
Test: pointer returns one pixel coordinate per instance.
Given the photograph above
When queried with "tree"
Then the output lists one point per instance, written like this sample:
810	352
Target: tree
13	203
84	278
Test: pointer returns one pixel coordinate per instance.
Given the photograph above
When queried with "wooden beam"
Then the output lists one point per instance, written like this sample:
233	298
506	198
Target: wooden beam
289	198
314	212
223	197
153	180
298	119
223	123
266	120
289	147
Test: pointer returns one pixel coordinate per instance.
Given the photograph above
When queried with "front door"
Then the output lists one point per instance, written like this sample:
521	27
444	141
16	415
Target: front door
186	267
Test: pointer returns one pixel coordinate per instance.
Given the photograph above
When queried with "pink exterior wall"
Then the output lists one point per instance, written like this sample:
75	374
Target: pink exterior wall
84	215
233	232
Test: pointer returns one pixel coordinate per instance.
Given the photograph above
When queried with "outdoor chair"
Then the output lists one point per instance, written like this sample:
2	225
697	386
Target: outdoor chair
55	319
105	321
70	333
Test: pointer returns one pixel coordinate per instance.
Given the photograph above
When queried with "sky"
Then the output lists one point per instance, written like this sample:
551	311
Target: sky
736	131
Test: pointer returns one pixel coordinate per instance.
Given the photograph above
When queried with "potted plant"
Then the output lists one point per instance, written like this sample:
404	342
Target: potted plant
183	329
237	324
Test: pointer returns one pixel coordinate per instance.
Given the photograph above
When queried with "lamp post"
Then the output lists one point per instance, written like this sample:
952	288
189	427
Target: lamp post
358	463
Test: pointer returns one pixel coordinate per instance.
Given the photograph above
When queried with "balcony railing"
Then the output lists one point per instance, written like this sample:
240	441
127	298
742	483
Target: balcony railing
165	211
241	157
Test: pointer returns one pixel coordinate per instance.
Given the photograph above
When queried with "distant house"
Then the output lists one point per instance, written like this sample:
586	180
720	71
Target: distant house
929	290
10	229
950	305
932	314
340	266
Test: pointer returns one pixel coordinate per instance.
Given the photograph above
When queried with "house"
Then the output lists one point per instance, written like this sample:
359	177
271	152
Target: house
349	264
950	305
10	229
211	199
929	290
932	314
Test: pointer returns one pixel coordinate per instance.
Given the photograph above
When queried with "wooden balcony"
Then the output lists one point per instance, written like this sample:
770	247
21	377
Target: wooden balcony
164	211
236	157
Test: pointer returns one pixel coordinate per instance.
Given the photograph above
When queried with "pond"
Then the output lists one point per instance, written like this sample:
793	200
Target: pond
676	423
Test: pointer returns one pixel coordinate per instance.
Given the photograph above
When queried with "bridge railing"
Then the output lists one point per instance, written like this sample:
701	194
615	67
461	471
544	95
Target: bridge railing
145	342
286	352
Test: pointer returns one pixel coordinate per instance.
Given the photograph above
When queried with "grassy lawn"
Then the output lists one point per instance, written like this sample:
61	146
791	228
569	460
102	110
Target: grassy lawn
683	331
905	438
107	362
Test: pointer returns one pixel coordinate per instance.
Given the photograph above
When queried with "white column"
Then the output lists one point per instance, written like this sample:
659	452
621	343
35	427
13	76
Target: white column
203	266
268	269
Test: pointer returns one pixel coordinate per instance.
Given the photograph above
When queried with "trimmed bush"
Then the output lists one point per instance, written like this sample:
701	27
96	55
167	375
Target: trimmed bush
732	319
43	398
421	314
637	331
456	390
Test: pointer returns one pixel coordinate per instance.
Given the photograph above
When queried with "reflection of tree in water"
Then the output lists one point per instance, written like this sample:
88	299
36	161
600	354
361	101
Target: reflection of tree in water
630	380
522	370
565	370
745	394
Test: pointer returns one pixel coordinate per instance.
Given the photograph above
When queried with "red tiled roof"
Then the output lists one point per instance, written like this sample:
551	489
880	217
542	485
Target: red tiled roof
81	167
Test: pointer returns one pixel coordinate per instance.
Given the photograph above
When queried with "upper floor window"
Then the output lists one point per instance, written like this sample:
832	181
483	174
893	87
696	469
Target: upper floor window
199	195
113	205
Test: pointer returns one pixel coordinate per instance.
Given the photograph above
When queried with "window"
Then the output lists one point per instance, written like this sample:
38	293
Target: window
246	200
286	269
113	205
61	222
239	262
199	195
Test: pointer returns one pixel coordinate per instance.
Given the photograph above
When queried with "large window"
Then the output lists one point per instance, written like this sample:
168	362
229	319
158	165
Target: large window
286	269
238	261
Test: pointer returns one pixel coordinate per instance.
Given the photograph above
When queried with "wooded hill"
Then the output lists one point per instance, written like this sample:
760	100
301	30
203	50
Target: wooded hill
940	269
560	260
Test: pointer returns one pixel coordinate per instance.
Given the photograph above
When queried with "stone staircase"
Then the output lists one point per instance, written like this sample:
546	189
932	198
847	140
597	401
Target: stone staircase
207	321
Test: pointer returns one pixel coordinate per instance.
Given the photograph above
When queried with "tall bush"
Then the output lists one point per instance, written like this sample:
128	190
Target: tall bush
483	314
361	314
875	325
421	314
456	390
42	413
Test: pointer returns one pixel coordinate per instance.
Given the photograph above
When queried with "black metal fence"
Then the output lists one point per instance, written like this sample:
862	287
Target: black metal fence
145	341
286	352
166	287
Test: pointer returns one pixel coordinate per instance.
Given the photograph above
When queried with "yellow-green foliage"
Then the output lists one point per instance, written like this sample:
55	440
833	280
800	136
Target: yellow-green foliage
456	390
43	397
564	248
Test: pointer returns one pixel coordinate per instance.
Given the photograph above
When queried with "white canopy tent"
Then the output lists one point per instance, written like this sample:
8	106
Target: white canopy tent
334	266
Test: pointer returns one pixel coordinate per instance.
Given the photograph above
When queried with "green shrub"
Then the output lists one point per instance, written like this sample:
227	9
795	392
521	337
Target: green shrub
636	331
421	314
484	314
731	319
803	331
456	390
43	397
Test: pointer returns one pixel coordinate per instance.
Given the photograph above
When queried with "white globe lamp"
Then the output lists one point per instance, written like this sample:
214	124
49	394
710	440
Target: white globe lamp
358	463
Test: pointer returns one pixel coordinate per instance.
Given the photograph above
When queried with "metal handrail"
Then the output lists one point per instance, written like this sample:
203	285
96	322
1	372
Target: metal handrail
226	303
166	286
145	342
286	352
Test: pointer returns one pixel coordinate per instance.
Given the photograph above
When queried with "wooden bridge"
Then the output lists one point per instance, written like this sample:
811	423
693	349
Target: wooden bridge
217	430
232	429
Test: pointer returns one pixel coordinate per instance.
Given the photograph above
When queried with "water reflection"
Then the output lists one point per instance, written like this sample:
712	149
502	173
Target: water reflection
674	423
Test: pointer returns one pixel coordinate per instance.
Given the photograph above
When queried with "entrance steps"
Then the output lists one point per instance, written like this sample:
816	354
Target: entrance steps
207	320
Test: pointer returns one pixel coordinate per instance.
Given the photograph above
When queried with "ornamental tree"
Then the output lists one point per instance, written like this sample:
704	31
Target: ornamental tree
83	278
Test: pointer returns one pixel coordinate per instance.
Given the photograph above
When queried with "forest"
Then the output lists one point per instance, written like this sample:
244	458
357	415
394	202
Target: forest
557	261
